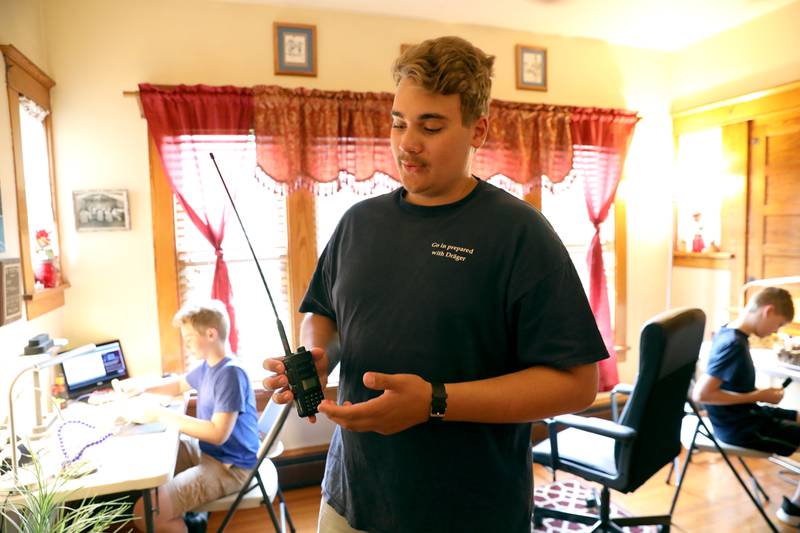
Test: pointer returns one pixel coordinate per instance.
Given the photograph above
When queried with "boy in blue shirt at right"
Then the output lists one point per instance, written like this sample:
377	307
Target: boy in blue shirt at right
727	388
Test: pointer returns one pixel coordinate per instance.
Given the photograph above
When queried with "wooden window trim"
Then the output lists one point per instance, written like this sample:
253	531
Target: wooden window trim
23	77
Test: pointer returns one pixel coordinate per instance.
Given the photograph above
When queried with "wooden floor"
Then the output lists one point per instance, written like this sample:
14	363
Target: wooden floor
711	500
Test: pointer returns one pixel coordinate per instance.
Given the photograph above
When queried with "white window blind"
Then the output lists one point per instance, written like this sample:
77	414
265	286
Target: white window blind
264	216
566	211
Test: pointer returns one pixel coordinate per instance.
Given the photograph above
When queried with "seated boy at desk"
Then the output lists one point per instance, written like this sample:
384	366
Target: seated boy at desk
226	424
728	390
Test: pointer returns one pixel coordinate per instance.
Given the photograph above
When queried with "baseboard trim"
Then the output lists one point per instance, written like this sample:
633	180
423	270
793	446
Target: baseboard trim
301	467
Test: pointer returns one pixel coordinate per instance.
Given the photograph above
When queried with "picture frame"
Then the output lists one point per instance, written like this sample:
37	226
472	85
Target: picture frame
10	290
101	210
531	67
295	49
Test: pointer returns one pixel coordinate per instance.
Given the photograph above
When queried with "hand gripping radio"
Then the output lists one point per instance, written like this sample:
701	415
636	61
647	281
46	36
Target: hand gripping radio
300	370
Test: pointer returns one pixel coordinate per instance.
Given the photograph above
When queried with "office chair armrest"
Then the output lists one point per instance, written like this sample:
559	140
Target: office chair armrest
598	426
619	388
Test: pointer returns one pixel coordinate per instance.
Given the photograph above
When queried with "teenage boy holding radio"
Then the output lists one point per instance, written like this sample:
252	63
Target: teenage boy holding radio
461	319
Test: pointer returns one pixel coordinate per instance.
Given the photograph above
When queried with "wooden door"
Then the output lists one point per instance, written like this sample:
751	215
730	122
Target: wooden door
773	235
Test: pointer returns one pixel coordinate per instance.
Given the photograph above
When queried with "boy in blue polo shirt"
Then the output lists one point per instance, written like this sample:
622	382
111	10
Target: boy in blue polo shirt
218	448
728	388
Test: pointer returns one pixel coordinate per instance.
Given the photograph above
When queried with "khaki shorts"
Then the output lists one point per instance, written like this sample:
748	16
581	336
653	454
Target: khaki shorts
199	478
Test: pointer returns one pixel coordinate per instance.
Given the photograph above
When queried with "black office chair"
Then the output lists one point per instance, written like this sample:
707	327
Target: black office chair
622	456
261	486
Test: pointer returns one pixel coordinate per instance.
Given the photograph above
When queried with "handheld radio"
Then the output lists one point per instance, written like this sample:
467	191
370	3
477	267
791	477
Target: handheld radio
300	370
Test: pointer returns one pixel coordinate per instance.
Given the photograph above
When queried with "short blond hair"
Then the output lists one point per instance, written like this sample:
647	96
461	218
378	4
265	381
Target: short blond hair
202	315
450	65
779	298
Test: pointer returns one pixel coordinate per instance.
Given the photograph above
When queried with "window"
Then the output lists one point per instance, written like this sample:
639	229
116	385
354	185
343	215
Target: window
268	219
264	217
29	107
699	186
566	211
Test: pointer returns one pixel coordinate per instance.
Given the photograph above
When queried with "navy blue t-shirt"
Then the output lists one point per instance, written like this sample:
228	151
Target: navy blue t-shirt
730	362
467	291
225	388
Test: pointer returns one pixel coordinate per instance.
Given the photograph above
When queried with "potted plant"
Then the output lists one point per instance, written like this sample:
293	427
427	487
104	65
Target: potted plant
41	509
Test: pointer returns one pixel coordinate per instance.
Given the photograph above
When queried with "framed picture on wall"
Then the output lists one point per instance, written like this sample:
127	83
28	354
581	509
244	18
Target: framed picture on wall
10	290
295	49
531	68
101	210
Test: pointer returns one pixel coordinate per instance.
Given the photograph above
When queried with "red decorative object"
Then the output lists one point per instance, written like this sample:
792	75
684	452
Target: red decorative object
47	274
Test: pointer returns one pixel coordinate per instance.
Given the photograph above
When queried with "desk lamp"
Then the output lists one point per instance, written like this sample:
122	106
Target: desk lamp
36	367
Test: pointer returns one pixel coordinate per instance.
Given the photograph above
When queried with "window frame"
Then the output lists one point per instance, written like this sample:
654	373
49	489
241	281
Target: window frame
24	78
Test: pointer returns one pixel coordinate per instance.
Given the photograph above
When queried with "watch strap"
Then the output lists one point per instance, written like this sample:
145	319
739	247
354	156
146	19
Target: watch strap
438	401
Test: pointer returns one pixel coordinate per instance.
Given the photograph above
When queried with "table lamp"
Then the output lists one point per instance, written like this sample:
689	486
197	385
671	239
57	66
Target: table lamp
36	367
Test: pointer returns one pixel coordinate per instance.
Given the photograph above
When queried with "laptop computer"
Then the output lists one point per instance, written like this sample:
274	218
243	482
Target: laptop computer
94	370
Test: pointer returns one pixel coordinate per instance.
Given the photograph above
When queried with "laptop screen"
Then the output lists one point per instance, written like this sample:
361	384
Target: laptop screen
95	369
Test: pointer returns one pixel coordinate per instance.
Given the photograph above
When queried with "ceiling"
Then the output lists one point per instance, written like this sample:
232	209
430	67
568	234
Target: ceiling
657	24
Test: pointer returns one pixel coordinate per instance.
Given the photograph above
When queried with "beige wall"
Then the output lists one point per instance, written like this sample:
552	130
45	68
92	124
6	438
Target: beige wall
20	24
758	55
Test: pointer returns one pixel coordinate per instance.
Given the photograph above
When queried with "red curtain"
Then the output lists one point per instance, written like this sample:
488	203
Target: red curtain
601	138
305	137
182	121
525	142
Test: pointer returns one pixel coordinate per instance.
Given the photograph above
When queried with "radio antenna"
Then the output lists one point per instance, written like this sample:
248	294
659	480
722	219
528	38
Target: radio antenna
281	331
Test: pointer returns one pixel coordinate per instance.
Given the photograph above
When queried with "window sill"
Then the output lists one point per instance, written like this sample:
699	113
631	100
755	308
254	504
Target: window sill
713	260
44	300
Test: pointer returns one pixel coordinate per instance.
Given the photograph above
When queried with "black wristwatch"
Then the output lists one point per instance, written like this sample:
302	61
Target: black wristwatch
438	402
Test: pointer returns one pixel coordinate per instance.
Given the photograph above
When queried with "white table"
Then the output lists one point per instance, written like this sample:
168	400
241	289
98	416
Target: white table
138	462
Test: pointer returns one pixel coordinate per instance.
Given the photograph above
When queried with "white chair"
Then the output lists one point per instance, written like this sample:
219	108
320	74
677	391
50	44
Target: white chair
261	487
697	435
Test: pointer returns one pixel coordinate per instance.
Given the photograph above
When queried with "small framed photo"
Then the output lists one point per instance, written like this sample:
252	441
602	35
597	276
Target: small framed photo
295	48
10	290
531	68
101	210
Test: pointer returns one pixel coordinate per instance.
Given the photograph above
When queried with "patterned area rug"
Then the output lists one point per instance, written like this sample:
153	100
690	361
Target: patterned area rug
570	495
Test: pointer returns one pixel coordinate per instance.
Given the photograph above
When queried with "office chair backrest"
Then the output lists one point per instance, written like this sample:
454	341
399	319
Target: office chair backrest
668	351
270	424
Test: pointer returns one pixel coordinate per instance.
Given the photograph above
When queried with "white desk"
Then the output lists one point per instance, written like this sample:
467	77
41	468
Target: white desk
767	362
124	463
